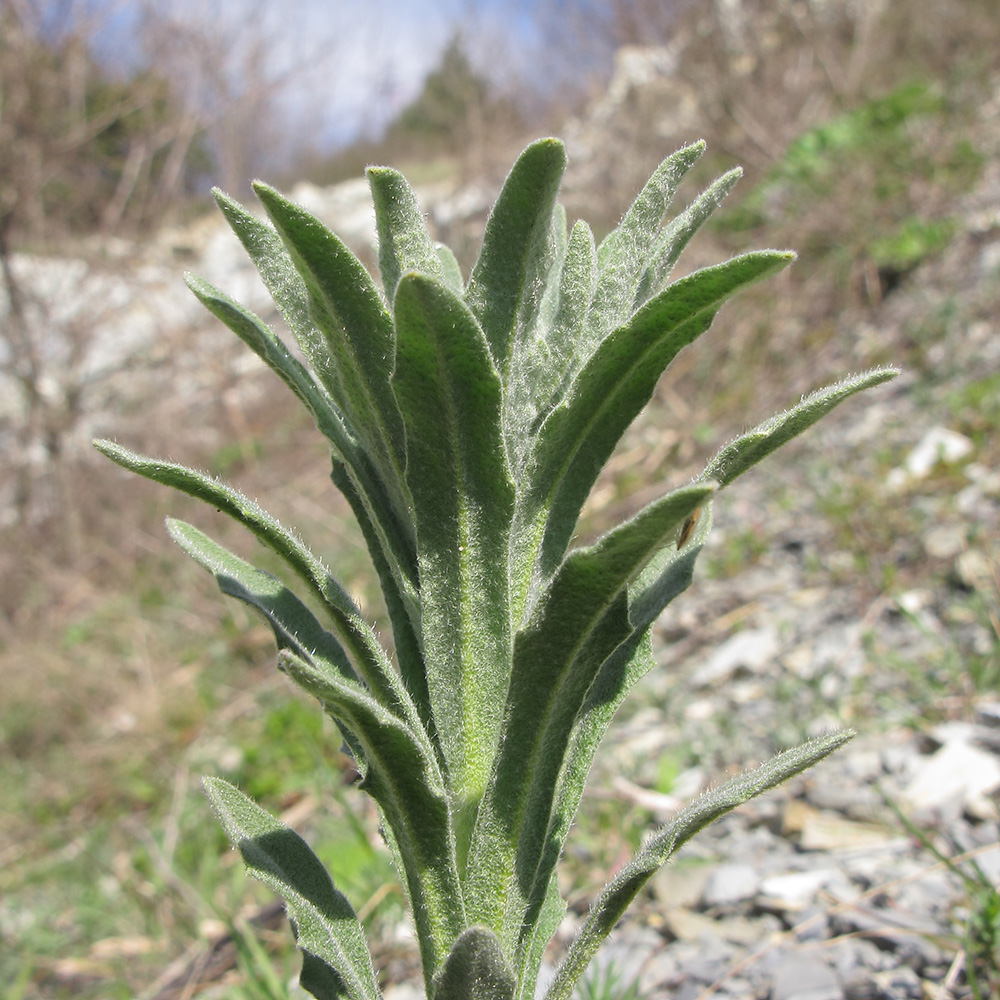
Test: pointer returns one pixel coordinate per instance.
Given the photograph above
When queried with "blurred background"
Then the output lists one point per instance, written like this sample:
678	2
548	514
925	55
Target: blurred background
868	133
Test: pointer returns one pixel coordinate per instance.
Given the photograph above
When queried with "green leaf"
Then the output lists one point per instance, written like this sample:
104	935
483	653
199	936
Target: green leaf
540	927
669	572
282	280
748	449
619	893
345	304
367	658
403	241
266	345
450	397
452	272
626	254
293	623
576	287
325	924
533	372
579	435
401	603
285	285
503	288
403	777
289	290
319	979
576	626
475	969
667	575
676	236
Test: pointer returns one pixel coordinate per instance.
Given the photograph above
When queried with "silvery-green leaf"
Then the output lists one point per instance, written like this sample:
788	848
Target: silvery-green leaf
403	777
512	261
748	449
450	397
346	307
326	925
623	888
677	234
475	969
625	256
575	627
579	435
403	241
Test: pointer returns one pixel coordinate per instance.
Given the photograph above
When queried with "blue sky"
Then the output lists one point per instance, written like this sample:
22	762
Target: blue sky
343	67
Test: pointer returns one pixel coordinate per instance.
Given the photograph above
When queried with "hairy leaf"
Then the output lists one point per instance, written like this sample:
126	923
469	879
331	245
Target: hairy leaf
502	290
676	236
325	924
403	777
574	629
450	397
614	900
748	449
580	434
475	969
403	241
345	304
626	254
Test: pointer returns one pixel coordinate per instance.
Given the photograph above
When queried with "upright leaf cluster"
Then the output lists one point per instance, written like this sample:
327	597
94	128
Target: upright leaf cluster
468	422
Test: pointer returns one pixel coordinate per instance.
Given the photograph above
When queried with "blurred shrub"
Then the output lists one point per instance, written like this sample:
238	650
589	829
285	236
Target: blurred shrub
80	149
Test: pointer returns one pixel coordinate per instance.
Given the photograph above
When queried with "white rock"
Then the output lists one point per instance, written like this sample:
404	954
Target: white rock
939	444
730	884
952	776
796	890
752	649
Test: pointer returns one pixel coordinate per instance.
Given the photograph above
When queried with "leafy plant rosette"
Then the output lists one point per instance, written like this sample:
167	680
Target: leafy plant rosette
468	421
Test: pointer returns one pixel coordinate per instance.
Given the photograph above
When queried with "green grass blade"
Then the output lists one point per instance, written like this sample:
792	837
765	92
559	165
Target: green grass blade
325	924
512	258
346	306
449	394
576	626
403	778
475	969
748	449
625	256
676	236
619	893
403	241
